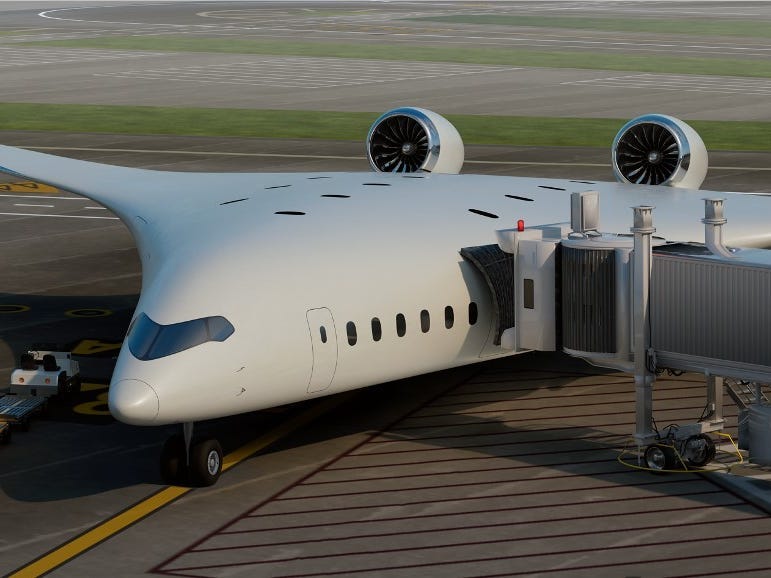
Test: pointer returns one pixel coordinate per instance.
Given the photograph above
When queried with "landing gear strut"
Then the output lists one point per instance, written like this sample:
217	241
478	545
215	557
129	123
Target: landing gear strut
188	461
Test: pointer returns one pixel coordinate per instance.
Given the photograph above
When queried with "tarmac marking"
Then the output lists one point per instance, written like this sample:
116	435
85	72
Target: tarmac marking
166	496
43	197
97	407
91	312
29	56
711	84
13	308
306	72
95	346
28	187
60	216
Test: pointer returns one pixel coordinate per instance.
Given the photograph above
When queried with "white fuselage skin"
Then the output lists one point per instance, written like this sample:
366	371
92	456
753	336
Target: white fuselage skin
280	278
368	246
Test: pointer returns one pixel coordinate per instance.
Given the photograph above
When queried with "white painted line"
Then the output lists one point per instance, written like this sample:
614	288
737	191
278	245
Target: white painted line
45	197
307	72
59	216
95	208
30	205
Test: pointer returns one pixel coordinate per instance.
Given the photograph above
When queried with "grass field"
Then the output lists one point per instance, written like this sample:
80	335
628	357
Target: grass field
471	55
692	27
475	129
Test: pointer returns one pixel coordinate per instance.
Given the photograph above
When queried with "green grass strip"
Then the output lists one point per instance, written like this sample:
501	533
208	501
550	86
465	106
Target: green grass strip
475	129
466	54
696	27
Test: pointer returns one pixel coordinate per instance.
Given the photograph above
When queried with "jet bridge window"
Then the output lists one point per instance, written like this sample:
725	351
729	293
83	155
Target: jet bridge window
150	340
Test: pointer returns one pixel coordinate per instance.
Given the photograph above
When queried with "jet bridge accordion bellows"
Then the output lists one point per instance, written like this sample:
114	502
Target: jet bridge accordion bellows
589	300
409	140
656	149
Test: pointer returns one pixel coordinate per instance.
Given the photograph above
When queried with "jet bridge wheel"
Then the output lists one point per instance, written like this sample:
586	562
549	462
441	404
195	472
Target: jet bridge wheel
660	457
699	450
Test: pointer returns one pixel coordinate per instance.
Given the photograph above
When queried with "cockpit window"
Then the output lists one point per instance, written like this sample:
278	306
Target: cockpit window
150	340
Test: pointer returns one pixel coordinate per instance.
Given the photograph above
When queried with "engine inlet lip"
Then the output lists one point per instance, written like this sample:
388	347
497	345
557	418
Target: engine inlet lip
416	114
668	123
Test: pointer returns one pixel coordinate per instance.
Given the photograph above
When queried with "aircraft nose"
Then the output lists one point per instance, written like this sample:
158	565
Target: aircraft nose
133	401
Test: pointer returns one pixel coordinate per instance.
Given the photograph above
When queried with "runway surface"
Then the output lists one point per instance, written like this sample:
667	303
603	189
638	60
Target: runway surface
501	469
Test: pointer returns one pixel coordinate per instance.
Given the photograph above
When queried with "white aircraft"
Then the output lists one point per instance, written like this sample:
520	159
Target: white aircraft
260	290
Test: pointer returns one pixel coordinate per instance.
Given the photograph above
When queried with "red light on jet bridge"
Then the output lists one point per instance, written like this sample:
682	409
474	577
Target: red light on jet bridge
521	225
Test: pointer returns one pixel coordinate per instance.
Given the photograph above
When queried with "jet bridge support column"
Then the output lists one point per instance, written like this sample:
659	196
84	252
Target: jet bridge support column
643	377
715	400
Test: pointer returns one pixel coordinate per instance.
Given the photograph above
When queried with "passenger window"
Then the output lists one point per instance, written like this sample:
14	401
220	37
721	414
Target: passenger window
351	330
425	321
323	332
473	313
449	317
377	330
401	325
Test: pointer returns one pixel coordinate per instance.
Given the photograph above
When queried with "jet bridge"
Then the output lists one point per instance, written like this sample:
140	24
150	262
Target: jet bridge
636	303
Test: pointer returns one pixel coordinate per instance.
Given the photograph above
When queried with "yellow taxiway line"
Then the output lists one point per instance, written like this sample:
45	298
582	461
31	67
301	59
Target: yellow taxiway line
158	500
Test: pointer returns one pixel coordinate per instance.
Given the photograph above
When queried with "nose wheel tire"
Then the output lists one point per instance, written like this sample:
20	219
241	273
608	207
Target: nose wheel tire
205	462
202	469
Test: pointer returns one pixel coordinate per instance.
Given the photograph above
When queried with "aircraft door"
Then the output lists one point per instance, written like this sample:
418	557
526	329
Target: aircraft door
324	344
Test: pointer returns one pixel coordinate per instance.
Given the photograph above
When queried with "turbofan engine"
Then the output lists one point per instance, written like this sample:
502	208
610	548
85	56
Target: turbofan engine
407	140
655	149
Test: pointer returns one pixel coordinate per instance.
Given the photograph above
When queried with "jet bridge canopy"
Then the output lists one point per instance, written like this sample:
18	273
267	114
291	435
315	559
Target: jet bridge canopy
497	268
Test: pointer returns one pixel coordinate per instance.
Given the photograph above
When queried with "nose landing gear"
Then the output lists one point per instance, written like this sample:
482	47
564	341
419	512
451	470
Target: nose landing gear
187	461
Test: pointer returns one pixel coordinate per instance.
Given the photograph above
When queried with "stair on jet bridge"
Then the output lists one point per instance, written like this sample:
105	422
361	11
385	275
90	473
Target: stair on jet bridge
743	393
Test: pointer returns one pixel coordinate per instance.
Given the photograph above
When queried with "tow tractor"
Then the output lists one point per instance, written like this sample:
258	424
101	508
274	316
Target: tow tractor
41	375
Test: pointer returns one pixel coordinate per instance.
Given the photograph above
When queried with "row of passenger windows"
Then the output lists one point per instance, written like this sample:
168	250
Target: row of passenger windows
401	324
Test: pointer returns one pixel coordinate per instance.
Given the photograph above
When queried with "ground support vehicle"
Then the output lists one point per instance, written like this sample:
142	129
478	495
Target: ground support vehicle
45	374
18	410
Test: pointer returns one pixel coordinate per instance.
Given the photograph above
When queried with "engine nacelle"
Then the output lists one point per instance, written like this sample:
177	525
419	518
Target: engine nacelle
655	149
408	140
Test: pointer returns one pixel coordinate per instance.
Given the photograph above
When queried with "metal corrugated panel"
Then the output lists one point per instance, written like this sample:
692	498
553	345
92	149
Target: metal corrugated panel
497	267
588	300
713	309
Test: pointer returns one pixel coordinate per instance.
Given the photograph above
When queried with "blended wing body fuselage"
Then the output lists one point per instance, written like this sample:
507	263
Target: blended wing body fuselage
264	289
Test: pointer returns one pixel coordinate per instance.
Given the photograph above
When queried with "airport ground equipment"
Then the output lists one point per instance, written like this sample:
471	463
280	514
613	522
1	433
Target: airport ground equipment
40	376
639	304
45	374
18	410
